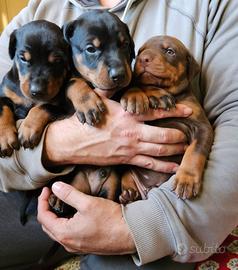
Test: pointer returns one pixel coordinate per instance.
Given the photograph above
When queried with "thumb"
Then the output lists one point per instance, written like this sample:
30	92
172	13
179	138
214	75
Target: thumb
69	194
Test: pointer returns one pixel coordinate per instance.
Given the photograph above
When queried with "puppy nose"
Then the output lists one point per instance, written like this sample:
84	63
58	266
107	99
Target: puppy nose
117	74
36	90
145	59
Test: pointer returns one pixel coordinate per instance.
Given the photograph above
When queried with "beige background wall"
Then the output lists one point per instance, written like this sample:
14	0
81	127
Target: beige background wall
8	9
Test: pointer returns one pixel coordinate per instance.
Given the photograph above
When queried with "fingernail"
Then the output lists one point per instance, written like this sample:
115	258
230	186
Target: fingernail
57	186
187	111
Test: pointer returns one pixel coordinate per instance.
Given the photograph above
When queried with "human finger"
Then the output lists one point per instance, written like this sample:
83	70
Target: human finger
154	134
154	164
70	195
181	110
161	150
46	217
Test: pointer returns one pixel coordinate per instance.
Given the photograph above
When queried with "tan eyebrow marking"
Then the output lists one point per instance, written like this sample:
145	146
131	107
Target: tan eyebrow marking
96	42
121	37
27	56
51	58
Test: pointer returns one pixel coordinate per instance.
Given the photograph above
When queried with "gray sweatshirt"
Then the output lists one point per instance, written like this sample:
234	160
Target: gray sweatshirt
164	225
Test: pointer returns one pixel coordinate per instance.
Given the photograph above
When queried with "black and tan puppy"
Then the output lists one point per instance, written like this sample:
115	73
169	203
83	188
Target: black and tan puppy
164	71
32	88
102	52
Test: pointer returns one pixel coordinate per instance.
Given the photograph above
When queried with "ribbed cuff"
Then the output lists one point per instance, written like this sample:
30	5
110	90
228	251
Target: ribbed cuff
150	230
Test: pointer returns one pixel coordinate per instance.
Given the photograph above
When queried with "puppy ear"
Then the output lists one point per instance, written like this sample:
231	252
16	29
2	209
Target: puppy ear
132	44
68	30
193	67
12	44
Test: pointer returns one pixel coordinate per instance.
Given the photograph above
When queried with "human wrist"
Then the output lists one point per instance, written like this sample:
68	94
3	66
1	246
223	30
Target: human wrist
126	243
56	148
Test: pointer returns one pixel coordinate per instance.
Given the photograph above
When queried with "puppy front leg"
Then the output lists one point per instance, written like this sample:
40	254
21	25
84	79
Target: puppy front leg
188	178
139	100
159	98
130	192
32	127
135	101
8	130
87	104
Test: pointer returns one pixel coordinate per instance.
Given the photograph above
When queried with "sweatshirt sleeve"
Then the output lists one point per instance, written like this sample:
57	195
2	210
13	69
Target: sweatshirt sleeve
191	230
24	169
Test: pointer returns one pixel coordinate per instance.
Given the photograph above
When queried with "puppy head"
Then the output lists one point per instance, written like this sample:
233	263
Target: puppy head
40	54
98	181
165	62
102	49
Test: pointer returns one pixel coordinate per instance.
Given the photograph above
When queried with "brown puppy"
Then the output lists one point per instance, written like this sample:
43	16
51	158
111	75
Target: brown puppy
164	71
92	180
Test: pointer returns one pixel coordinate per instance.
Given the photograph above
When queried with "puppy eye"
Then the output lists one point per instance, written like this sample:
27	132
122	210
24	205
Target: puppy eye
125	44
90	49
56	59
103	173
170	51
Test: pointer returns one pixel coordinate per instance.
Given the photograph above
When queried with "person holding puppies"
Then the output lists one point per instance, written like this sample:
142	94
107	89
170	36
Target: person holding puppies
162	225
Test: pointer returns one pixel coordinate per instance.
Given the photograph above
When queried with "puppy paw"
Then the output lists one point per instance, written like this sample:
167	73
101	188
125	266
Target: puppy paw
56	205
187	184
129	195
165	102
135	101
29	135
60	208
90	111
8	141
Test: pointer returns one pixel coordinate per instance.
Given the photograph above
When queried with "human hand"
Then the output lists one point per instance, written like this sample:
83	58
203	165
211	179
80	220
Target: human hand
98	226
121	138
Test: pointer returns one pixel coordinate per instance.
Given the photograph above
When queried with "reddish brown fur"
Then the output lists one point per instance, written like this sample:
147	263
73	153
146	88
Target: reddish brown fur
164	80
